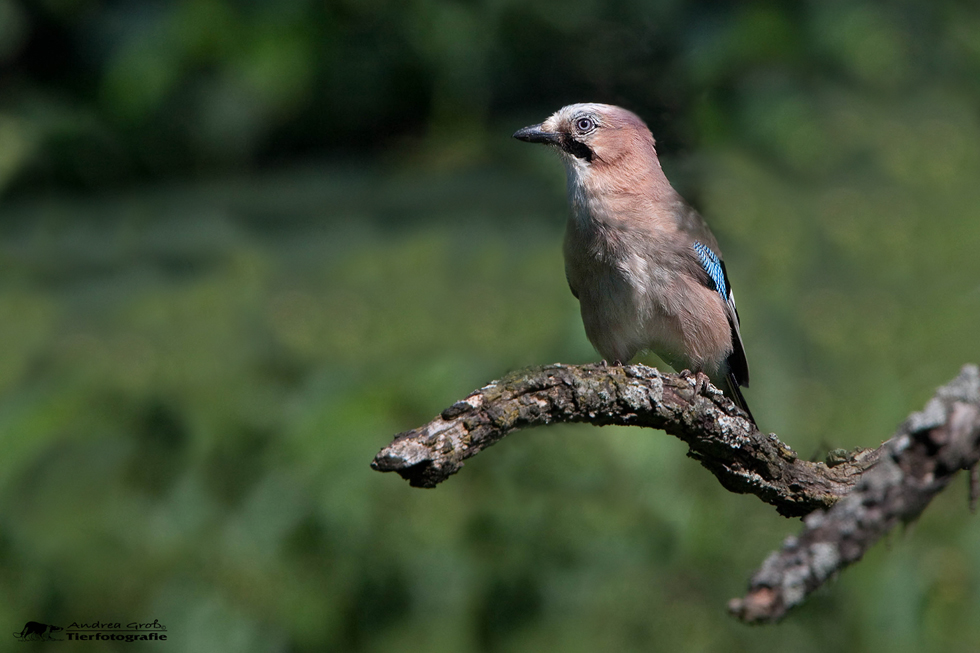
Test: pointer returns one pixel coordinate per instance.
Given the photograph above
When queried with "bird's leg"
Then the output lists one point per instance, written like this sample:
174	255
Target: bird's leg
700	380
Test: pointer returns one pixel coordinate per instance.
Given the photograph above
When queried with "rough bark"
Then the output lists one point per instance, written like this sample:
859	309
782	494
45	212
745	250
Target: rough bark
879	487
685	405
914	466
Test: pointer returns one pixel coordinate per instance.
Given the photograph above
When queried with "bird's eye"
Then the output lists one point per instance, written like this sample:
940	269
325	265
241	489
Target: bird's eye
585	125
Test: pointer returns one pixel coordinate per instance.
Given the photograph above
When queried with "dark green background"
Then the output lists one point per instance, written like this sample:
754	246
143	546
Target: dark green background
243	244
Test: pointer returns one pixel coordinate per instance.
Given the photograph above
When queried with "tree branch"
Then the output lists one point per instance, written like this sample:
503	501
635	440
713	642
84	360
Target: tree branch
685	405
915	465
884	486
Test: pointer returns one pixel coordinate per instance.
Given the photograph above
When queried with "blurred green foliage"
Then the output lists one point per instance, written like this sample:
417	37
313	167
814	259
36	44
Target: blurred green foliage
243	244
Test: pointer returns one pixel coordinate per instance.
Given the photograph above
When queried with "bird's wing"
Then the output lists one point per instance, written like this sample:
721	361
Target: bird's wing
737	363
714	275
690	222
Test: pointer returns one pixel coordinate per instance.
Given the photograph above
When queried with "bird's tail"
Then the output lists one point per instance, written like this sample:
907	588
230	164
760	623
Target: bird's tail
733	390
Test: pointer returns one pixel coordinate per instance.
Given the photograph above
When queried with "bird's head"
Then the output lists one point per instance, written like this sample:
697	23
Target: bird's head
592	134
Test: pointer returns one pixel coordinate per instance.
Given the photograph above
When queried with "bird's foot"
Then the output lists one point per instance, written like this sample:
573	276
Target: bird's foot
700	380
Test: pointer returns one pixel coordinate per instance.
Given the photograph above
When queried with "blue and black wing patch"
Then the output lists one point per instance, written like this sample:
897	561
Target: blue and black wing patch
717	279
714	267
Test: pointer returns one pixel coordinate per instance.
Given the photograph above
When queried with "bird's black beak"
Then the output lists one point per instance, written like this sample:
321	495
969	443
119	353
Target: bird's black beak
534	134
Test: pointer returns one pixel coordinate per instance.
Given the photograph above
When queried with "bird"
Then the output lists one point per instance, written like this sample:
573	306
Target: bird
643	264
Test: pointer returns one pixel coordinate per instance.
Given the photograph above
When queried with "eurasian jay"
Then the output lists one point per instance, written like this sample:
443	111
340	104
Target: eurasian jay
643	264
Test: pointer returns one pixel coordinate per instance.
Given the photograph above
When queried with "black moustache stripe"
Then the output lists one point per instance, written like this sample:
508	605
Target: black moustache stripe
577	149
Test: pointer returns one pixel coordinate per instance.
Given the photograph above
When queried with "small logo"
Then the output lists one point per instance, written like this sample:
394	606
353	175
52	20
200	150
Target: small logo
99	631
35	631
